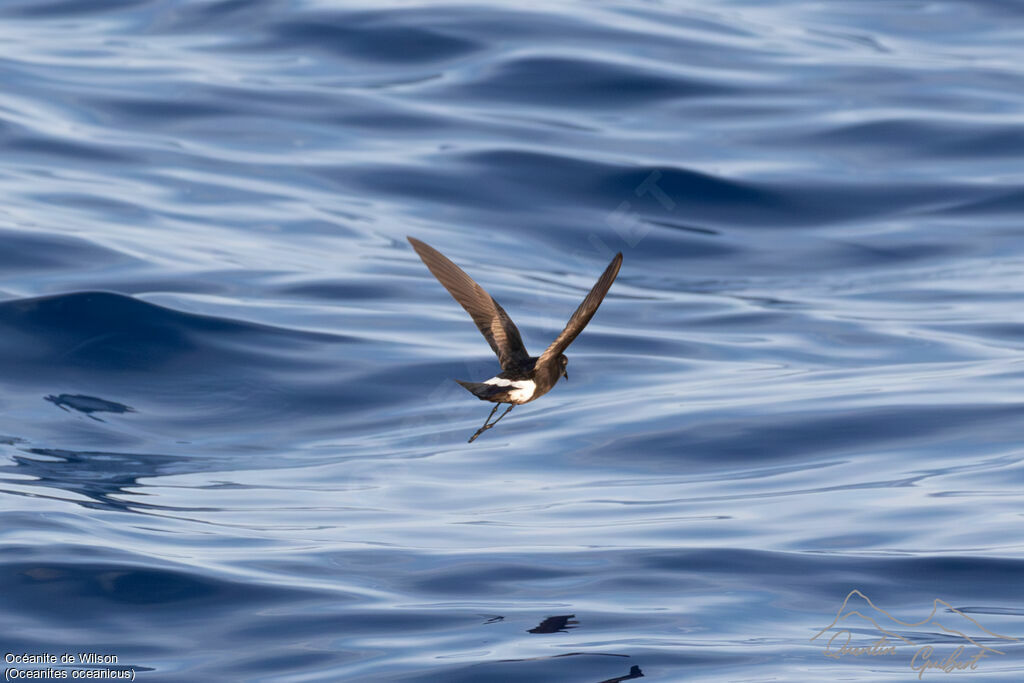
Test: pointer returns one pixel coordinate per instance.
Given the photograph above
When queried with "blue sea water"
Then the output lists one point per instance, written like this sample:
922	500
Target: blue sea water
230	443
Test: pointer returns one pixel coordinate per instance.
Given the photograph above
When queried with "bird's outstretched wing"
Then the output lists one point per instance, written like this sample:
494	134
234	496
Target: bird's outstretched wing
583	314
498	329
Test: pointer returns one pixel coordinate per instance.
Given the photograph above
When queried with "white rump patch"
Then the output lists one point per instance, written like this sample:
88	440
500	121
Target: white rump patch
524	388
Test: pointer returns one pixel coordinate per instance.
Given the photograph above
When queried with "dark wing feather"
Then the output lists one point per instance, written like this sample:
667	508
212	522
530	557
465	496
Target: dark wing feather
494	323
583	314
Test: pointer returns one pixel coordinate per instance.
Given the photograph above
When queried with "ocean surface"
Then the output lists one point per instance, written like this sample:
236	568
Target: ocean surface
230	443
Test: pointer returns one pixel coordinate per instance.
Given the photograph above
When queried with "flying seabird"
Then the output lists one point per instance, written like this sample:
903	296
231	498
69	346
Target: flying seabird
523	378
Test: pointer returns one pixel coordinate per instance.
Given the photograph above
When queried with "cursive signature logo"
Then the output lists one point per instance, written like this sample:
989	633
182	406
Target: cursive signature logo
858	614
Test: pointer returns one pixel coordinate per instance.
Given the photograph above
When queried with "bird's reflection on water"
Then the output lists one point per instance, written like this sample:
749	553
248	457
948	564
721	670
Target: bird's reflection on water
634	672
556	624
88	404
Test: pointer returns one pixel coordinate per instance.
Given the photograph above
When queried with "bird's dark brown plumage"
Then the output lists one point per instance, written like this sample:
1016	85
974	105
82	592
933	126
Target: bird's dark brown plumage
583	313
498	329
523	377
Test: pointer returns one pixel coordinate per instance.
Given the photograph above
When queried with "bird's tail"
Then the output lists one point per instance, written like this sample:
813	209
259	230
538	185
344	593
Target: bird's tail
484	392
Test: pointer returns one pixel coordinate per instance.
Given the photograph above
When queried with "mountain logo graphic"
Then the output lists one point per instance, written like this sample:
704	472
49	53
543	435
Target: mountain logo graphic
943	625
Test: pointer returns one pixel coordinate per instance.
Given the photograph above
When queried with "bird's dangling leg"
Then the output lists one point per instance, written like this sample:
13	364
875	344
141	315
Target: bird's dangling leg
507	411
487	423
486	426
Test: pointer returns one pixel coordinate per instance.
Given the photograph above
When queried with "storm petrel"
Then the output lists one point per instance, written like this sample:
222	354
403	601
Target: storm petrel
523	377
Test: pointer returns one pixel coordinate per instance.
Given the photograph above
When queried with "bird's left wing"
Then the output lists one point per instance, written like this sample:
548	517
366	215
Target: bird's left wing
498	329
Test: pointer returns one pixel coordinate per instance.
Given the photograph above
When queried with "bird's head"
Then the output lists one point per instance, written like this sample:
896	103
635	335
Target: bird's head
563	363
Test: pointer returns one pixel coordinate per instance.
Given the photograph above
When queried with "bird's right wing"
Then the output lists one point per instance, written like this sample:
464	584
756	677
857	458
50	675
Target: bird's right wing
498	329
584	313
